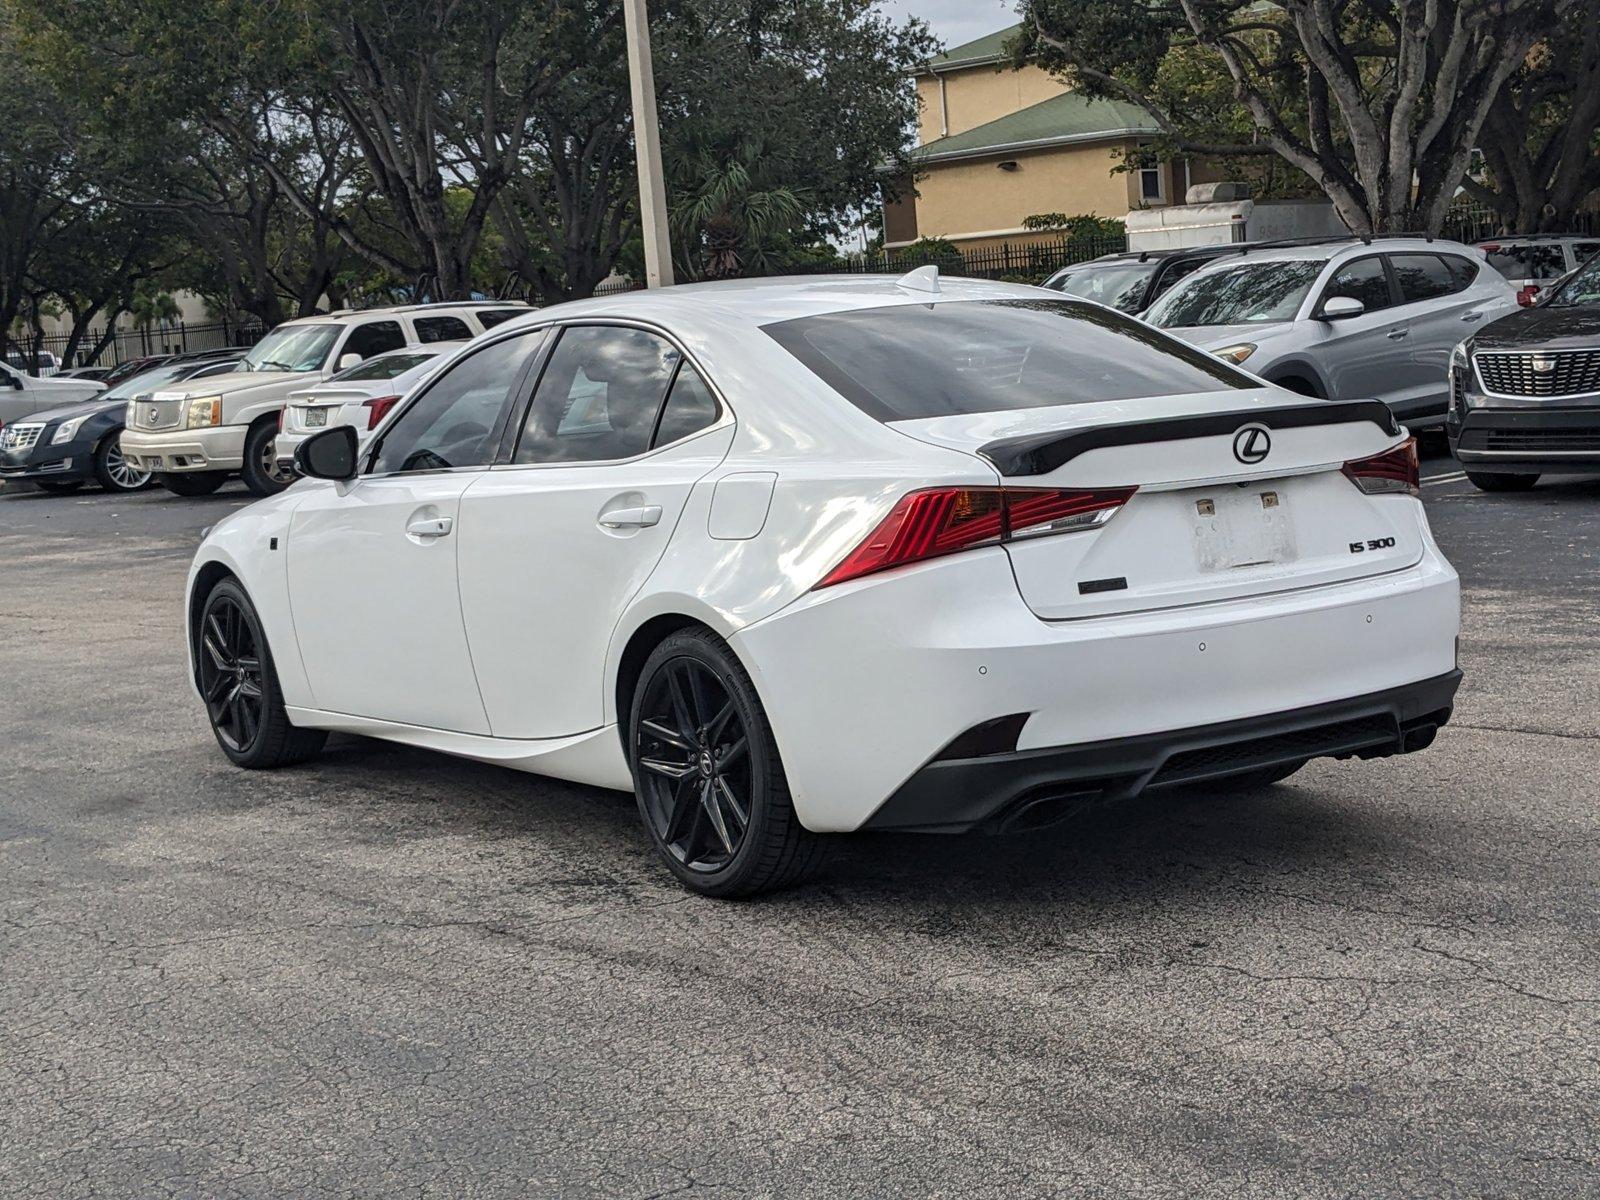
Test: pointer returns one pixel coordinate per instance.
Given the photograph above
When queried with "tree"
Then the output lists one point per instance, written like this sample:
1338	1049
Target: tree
728	215
1380	102
1539	139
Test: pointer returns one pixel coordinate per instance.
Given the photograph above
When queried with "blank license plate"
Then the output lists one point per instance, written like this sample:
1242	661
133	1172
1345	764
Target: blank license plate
1236	528
316	417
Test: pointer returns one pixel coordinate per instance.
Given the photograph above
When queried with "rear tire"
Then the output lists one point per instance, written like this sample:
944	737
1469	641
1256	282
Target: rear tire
193	483
58	487
260	471
115	473
711	789
1501	483
239	685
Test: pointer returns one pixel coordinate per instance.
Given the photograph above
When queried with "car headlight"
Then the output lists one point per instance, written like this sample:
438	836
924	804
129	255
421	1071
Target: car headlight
67	430
207	410
1236	354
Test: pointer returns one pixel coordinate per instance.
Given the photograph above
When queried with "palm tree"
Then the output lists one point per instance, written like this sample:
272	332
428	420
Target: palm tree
152	308
728	215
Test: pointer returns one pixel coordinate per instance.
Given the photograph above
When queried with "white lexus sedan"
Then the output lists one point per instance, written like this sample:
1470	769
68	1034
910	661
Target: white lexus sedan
801	556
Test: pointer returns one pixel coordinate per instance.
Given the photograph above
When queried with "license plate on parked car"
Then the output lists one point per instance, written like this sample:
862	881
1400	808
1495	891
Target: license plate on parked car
316	417
1242	527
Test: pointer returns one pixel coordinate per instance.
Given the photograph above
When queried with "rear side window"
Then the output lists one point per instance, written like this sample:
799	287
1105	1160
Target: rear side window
956	357
690	408
1422	277
1364	280
599	396
490	317
441	329
375	337
1464	269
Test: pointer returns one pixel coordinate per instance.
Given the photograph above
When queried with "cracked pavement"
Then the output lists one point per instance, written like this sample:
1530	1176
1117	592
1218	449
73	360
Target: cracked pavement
392	973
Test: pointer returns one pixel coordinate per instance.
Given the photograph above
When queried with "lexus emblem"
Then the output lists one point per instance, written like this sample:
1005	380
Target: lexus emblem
1252	444
1542	364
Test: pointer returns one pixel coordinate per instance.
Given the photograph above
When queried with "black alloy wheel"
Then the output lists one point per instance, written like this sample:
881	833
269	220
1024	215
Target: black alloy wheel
694	763
711	789
233	666
230	674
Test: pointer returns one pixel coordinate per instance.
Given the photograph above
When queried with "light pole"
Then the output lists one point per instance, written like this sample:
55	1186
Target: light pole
647	147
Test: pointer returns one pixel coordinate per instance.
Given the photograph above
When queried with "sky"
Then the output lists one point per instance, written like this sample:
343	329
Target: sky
957	21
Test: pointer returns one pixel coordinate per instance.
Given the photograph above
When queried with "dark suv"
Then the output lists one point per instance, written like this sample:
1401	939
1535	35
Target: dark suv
1525	390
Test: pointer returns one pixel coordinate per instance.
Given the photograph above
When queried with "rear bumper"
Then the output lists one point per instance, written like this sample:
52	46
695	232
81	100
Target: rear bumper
1025	789
868	683
1527	440
220	448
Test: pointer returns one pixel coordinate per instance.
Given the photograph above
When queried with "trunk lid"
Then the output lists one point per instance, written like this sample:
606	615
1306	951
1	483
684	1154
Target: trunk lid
1204	525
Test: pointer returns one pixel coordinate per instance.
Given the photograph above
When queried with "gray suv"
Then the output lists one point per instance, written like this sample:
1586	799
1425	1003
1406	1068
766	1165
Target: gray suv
1345	320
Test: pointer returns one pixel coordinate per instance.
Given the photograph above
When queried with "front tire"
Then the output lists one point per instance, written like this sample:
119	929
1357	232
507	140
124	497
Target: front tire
260	471
114	472
711	789
193	483
240	686
1501	483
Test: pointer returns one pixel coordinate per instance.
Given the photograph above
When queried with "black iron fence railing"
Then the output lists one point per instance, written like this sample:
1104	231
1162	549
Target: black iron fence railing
102	348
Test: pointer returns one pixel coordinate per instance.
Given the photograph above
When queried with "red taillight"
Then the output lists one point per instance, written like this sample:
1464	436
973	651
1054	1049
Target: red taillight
1527	294
378	408
1394	470
939	521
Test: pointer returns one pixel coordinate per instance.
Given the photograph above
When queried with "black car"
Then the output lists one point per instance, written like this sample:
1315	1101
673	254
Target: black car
1525	390
63	448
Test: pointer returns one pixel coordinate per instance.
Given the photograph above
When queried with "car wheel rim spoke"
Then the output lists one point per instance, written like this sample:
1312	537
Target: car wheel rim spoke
692	753
231	673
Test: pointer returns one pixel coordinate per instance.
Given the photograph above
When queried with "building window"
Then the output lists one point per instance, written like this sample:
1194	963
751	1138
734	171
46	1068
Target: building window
1152	189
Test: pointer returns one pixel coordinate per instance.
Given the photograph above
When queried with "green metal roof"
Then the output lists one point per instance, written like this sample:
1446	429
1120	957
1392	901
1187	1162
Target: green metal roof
990	48
1057	121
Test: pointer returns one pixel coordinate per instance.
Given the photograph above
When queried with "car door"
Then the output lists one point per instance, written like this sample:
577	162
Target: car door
363	341
557	541
1440	311
1358	356
373	563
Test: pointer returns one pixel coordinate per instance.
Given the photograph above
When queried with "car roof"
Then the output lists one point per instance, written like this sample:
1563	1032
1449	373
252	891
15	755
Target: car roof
753	303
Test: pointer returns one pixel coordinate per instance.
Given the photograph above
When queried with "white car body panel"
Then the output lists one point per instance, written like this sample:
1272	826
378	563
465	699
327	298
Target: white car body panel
22	395
504	641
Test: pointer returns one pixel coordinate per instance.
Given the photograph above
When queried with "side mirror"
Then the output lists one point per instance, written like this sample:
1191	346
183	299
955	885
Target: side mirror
348	359
1342	308
330	454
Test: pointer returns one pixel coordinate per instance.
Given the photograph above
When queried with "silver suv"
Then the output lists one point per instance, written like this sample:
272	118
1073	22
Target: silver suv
1345	320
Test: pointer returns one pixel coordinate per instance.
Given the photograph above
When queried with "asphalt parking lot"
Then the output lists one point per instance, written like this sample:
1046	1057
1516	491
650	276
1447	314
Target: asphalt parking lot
394	973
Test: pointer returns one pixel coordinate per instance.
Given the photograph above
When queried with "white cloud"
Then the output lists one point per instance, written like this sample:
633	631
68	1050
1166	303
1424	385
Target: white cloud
957	21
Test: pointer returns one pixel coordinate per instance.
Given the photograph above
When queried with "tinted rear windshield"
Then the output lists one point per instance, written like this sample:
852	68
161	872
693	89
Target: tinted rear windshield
974	356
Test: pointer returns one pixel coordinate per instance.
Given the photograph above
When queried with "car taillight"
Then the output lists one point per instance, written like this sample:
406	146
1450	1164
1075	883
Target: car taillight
378	408
1394	470
939	521
1527	294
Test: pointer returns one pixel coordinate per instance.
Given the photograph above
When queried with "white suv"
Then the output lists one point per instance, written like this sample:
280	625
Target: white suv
195	436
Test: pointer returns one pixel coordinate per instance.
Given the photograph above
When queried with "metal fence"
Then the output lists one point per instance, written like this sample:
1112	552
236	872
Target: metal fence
97	348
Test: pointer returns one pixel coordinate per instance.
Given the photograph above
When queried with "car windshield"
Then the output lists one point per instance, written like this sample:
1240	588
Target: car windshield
385	366
148	381
1121	285
1238	294
1531	260
1582	288
973	356
292	348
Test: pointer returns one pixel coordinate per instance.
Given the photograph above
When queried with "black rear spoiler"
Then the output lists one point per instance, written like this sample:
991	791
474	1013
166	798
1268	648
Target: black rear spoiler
1041	453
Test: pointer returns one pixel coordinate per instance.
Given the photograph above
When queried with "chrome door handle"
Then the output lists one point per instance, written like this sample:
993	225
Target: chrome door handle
430	527
632	518
1395	335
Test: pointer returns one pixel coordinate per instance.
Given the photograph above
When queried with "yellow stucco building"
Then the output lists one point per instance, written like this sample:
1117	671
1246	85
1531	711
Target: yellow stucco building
997	145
